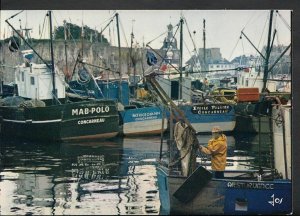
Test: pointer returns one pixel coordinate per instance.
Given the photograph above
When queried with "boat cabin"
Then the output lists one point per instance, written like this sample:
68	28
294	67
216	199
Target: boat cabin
34	81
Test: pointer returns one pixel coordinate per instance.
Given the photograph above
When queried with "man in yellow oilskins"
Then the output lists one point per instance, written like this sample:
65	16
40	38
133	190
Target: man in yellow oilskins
217	148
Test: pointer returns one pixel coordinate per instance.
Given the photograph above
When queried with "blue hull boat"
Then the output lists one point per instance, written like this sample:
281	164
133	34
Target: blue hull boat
225	196
204	116
143	121
136	118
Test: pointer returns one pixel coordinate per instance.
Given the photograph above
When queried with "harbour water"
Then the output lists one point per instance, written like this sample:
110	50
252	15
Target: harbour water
115	177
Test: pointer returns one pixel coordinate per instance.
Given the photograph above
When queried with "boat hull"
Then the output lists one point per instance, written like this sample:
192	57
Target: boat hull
254	117
143	121
250	124
226	196
72	121
204	117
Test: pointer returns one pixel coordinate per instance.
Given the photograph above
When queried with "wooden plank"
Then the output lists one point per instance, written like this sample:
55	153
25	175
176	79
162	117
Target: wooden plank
193	184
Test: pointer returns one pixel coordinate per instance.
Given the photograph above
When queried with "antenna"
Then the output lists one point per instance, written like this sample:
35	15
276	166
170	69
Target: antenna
133	20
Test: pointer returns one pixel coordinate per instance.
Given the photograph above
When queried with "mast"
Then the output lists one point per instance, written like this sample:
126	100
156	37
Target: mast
82	37
119	45
268	52
54	92
266	57
181	58
66	55
204	46
133	58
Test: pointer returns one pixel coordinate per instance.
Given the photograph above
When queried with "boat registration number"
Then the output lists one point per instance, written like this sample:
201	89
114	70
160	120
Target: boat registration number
211	109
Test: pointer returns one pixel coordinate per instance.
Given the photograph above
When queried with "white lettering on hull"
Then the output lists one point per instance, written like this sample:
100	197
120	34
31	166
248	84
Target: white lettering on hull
91	121
92	110
250	185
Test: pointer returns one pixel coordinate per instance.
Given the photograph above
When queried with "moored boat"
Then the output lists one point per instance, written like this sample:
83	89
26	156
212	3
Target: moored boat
225	196
143	121
91	119
136	117
255	113
185	189
42	111
201	114
177	84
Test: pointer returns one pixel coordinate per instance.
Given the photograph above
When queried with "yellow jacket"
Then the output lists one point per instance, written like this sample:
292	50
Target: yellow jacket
217	148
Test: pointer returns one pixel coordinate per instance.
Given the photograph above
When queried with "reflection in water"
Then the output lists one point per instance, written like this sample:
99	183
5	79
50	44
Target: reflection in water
99	178
68	178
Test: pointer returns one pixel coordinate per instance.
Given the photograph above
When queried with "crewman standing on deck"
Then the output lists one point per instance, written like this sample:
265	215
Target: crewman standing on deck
217	149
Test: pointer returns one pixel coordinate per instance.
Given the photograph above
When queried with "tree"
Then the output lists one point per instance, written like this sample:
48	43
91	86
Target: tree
75	31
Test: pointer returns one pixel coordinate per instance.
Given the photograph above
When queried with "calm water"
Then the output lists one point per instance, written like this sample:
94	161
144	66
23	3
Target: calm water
101	177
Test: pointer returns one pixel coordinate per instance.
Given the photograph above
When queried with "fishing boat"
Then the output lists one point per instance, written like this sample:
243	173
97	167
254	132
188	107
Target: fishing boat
229	196
202	112
42	111
254	113
145	120
185	188
137	117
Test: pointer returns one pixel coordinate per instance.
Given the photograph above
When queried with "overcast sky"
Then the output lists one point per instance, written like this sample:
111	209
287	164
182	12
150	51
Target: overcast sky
223	27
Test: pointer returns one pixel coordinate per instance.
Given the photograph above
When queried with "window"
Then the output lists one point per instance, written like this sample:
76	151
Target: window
22	76
32	80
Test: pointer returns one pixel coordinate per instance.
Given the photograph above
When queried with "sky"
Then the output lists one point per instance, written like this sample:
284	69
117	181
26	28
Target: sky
223	27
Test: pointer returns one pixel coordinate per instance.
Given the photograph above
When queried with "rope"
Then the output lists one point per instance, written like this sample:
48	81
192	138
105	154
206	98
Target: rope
156	38
235	47
69	29
113	36
109	19
193	59
190	36
284	21
243	47
263	32
123	33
